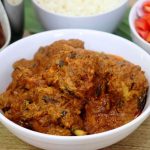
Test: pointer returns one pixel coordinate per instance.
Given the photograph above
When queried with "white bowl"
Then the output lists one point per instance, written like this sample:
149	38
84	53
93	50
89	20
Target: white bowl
5	26
94	40
134	34
107	22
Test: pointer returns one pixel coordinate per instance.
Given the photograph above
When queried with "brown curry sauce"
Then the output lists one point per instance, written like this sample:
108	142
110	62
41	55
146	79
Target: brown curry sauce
2	37
68	90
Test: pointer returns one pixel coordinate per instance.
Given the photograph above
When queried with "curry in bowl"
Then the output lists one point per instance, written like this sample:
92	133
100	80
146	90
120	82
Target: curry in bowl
68	90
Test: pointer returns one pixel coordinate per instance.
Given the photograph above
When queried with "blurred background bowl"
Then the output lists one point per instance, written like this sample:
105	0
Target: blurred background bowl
134	34
107	21
5	26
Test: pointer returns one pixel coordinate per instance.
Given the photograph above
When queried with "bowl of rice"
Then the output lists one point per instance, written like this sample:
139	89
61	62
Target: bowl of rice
104	15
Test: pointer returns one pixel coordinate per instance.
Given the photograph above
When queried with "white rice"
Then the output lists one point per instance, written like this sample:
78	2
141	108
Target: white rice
14	2
79	7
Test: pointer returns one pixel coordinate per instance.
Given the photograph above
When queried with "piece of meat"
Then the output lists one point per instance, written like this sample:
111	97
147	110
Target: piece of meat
121	102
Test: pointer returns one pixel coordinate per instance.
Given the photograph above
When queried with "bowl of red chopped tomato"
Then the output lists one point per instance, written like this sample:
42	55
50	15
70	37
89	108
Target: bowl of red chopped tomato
139	20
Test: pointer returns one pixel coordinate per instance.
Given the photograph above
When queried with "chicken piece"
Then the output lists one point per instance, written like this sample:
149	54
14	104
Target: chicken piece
73	73
121	102
54	52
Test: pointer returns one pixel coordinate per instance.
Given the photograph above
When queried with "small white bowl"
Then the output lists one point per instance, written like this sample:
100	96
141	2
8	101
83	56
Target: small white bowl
107	22
134	34
5	25
94	40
